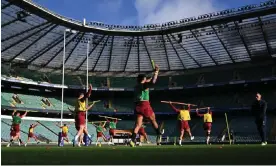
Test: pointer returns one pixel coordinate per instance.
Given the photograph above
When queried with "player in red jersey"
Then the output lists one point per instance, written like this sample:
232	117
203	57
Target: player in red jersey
31	134
16	121
207	126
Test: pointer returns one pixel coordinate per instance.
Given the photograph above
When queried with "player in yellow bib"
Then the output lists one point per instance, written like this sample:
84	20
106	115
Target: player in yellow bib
208	120
64	131
183	121
80	115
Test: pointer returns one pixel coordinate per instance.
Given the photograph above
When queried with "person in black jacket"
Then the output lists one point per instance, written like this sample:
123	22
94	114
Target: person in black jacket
258	109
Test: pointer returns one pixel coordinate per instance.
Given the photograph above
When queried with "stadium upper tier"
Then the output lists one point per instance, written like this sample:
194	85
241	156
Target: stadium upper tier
34	36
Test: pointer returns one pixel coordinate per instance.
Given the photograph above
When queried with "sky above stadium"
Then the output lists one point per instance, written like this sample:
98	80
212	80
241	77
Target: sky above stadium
138	12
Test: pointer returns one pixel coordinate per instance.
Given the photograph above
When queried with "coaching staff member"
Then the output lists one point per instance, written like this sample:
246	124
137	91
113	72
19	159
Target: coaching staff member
258	109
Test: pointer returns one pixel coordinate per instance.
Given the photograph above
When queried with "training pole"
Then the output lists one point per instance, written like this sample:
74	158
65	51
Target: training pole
227	125
60	141
62	88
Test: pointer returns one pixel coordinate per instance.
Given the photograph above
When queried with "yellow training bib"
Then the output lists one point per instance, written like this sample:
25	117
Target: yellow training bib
31	130
208	118
184	115
65	129
81	106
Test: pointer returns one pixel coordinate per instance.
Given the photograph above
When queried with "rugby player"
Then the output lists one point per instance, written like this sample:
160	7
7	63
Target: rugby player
183	121
143	108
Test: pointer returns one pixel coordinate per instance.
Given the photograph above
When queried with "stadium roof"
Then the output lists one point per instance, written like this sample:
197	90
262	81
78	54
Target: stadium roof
34	36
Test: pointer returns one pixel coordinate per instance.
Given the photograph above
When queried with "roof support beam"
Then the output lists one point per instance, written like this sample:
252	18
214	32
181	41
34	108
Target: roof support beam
45	49
242	39
199	65
230	56
128	53
6	5
265	37
36	40
72	51
27	30
53	57
147	52
176	52
9	22
138	53
26	37
204	47
110	53
100	54
90	53
165	49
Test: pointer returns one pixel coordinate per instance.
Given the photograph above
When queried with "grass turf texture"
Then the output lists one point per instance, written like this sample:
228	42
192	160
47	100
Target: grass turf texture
187	154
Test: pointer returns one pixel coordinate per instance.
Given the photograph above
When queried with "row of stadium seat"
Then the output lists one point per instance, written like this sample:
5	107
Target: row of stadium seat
192	79
31	101
223	101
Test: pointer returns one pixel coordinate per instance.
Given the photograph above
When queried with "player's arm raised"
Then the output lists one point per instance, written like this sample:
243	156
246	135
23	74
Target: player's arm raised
198	114
154	78
173	107
89	92
24	114
14	111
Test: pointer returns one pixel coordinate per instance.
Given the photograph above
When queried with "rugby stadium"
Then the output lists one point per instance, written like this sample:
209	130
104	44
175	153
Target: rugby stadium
222	61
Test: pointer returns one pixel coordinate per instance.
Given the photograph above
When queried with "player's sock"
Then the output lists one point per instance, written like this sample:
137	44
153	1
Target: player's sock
75	140
133	137
20	142
180	142
11	140
159	131
90	138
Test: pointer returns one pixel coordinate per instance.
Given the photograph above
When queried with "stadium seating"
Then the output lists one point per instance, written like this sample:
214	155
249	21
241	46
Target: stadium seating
31	101
163	81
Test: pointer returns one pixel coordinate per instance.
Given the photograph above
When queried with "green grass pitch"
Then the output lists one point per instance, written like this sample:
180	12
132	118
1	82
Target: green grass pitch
187	154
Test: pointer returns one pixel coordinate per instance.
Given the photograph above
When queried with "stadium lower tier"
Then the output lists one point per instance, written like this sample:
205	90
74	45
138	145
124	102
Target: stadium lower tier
124	104
242	129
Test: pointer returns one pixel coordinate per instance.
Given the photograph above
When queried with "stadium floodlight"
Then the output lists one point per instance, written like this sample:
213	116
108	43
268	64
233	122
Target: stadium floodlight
63	65
69	30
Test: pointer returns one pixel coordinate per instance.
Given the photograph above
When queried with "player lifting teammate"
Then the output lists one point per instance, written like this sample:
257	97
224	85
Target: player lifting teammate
80	115
31	134
183	121
207	126
15	128
142	105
